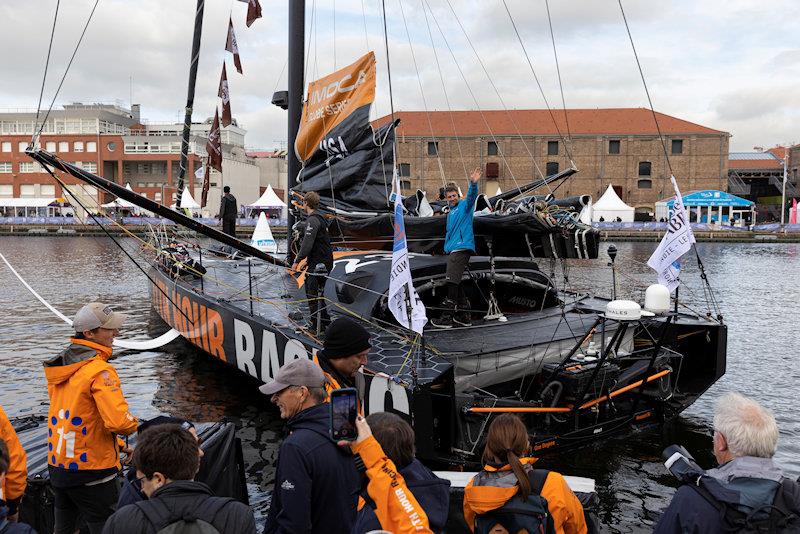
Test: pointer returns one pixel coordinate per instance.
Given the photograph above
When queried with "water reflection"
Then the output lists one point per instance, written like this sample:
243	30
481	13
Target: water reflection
755	286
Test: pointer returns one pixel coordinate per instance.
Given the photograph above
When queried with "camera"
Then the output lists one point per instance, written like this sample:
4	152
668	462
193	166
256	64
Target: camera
681	464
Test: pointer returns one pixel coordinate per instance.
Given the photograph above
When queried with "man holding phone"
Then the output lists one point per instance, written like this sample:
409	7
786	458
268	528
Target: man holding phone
316	481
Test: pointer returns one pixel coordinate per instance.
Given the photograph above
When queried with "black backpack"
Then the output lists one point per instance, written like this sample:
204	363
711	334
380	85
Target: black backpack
781	517
531	515
165	521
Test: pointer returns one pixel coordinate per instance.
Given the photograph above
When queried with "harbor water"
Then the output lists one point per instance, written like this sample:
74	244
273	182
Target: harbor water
756	287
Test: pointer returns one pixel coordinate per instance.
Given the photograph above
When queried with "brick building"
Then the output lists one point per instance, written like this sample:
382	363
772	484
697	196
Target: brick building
117	144
609	146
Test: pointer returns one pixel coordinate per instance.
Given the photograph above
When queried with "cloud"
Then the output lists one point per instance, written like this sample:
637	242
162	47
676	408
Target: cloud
730	65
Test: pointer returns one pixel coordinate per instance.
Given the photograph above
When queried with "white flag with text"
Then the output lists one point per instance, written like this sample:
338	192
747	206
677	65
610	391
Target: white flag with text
401	287
677	242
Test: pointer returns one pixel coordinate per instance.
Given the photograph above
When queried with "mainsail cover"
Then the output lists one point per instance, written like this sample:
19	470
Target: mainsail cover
344	159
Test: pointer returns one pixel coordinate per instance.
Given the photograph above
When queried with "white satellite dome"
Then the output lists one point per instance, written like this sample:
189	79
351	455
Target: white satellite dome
656	299
624	310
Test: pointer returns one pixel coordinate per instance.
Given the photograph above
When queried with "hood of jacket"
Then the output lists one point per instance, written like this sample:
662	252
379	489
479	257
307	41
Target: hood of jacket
70	360
494	486
432	493
315	419
748	481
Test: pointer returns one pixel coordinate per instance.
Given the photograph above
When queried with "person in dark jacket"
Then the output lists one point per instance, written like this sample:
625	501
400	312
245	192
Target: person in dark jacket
131	490
7	525
745	439
228	211
316	481
459	245
315	248
167	460
345	348
396	438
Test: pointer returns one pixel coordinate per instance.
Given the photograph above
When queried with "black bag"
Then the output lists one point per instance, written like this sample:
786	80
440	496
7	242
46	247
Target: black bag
781	517
164	521
531	515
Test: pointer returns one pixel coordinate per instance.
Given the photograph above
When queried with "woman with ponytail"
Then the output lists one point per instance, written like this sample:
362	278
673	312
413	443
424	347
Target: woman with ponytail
510	496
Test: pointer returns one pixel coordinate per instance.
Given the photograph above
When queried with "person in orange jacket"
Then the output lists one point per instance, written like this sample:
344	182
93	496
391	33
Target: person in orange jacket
87	411
507	472
395	506
13	487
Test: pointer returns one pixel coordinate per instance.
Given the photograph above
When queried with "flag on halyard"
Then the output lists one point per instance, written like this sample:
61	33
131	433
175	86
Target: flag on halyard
214	145
224	94
253	11
401	288
200	172
232	47
206	170
677	242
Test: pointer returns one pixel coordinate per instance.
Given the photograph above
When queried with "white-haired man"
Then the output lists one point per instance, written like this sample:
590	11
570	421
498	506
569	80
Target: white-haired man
747	485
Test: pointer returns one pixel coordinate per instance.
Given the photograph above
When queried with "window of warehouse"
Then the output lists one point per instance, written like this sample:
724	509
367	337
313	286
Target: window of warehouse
47	190
50	146
677	146
491	148
22	146
77	146
6	190
28	166
433	148
645	168
405	169
613	146
6	146
91	146
63	146
552	168
645	183
552	148
27	190
5	167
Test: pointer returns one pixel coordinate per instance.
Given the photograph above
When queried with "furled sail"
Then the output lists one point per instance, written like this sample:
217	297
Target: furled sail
347	162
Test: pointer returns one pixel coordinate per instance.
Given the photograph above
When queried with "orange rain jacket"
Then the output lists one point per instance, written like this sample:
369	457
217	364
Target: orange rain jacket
17	477
395	506
492	488
331	383
87	409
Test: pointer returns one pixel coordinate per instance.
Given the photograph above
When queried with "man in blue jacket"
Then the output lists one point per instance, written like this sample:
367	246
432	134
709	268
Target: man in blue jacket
459	245
316	482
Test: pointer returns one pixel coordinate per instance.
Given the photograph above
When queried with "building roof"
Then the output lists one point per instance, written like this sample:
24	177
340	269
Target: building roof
266	153
754	160
610	121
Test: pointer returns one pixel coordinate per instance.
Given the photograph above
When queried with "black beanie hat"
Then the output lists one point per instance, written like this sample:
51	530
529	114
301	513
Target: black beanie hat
344	337
164	420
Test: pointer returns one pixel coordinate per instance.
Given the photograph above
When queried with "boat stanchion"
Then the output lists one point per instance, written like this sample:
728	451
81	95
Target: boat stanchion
250	282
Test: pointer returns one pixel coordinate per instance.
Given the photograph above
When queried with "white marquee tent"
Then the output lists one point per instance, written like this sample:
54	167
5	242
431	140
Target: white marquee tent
120	203
187	201
610	206
268	201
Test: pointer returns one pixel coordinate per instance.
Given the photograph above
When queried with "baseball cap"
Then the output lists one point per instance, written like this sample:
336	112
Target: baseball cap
302	372
97	315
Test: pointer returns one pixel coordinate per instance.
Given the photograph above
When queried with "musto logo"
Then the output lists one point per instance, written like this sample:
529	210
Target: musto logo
61	439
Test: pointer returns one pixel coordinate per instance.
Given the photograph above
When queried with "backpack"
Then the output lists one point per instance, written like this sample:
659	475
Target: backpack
781	517
165	521
518	515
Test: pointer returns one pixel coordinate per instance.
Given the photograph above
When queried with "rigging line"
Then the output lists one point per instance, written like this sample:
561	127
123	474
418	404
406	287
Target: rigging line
558	70
310	41
44	75
364	15
536	79
444	90
71	59
388	67
280	76
646	90
108	234
334	35
422	93
497	92
474	98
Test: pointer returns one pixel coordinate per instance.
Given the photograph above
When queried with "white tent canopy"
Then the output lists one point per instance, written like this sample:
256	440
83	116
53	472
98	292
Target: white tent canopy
610	206
269	200
187	201
121	203
262	236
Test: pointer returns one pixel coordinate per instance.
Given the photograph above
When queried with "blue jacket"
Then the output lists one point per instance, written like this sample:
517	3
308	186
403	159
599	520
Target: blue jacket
431	492
7	527
131	490
747	481
459	223
316	481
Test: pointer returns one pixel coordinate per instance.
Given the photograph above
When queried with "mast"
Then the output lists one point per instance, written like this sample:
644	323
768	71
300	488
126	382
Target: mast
297	29
187	119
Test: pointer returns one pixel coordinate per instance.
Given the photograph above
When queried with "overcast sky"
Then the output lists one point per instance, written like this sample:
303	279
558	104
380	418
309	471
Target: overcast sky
733	65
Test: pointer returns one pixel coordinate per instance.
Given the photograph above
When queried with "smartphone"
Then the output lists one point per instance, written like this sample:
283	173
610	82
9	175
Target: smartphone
344	410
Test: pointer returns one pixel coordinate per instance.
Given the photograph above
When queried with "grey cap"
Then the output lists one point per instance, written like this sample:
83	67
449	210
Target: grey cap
302	372
97	315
